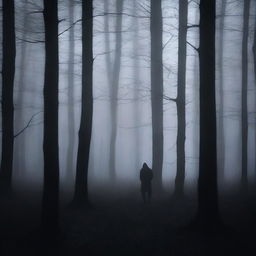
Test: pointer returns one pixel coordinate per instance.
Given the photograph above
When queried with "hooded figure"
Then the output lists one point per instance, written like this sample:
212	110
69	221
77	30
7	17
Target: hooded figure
146	176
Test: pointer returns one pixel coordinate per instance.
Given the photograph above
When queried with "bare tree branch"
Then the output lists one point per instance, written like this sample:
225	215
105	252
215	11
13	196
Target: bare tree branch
29	123
30	41
191	45
193	26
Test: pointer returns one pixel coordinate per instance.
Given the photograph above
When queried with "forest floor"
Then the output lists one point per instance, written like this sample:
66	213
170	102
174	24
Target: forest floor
123	225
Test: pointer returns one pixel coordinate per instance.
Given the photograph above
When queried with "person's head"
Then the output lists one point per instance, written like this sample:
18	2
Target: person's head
145	165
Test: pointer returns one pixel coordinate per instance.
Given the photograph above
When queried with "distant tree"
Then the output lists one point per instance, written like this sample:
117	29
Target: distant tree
107	44
208	210
8	72
19	152
221	137
108	61
196	118
156	29
50	204
136	81
244	177
71	113
195	93
181	97
84	138
254	50
114	88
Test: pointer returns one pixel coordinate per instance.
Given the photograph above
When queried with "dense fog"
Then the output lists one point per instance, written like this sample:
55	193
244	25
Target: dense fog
134	130
128	127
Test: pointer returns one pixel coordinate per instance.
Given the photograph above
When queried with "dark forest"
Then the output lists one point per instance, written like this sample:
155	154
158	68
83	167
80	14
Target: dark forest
128	127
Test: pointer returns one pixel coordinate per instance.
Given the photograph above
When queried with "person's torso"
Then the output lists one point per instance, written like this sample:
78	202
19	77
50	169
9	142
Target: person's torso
146	175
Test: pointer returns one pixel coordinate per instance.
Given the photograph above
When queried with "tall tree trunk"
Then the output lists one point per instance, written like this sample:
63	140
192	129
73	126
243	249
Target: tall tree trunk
254	50
244	176
196	119
50	207
114	89
108	61
20	146
156	29
107	45
254	60
136	74
8	72
85	131
181	97
208	210
221	137
71	113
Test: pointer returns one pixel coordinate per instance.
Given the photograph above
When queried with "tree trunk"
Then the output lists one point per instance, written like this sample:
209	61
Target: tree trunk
8	72
208	210
221	137
136	74
156	29
85	131
181	97
107	45
254	50
114	90
244	176
71	113
108	63
196	118
254	61
195	88
20	153
50	207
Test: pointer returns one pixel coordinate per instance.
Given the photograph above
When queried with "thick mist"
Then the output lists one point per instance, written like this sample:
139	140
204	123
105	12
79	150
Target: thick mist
134	132
127	127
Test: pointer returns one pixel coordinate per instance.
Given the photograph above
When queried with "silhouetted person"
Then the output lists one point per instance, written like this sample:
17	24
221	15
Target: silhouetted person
146	176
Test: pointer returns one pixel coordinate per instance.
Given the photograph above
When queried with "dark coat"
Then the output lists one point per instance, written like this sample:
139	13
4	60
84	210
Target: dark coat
146	176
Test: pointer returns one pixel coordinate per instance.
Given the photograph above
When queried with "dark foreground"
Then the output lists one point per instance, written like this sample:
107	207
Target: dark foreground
126	226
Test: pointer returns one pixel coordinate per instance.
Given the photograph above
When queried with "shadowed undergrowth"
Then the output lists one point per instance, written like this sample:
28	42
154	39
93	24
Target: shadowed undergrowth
126	226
